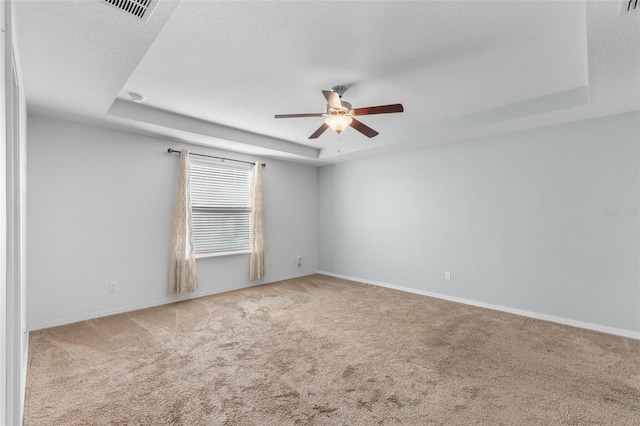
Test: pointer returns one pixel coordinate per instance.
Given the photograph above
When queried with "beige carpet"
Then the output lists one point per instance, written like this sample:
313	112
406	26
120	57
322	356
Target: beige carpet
325	351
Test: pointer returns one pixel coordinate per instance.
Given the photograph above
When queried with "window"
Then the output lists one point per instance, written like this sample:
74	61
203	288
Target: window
221	207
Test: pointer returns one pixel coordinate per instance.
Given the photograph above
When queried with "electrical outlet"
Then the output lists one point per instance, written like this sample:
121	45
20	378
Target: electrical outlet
113	287
447	275
297	261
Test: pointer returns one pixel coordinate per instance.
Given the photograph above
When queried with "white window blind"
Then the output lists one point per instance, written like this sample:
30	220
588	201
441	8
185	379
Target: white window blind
221	207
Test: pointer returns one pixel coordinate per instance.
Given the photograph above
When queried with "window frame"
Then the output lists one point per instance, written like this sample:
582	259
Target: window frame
237	202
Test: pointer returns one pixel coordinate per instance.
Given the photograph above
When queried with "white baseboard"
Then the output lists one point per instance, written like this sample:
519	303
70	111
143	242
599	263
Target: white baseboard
151	304
521	312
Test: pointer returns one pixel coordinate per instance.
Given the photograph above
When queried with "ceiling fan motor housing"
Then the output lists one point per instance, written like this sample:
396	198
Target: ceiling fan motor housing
346	109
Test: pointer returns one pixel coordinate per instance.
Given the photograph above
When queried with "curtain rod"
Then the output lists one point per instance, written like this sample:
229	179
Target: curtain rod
173	151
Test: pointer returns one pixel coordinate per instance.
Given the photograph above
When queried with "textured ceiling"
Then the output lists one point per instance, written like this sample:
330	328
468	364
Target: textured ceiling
215	73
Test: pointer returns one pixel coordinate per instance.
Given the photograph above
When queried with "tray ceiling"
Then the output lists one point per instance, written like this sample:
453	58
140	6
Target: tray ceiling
215	73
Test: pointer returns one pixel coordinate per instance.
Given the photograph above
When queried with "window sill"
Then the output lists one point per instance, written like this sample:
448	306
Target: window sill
222	253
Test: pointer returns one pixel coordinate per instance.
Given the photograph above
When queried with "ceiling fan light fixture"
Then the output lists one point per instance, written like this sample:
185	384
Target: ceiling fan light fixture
338	122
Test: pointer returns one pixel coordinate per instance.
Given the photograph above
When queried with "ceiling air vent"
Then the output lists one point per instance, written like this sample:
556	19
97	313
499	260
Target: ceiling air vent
140	9
629	6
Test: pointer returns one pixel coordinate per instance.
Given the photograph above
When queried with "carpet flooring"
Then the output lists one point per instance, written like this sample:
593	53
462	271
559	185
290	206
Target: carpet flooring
320	350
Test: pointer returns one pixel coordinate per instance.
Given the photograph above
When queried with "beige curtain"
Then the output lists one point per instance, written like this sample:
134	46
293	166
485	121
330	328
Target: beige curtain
183	277
256	266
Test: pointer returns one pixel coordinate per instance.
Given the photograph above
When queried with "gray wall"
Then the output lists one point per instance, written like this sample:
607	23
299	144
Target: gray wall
543	220
101	206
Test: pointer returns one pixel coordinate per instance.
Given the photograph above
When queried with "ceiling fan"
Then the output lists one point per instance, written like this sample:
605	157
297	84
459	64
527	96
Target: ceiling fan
339	114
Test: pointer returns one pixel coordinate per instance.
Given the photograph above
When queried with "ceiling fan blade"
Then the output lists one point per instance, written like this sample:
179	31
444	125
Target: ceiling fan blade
320	131
381	109
313	114
333	99
363	128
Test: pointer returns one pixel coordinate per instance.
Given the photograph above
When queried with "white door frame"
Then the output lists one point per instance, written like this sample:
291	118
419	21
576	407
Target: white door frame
13	333
3	225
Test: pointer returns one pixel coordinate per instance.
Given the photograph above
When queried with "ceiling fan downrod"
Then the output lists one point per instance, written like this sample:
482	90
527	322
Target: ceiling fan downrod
339	90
